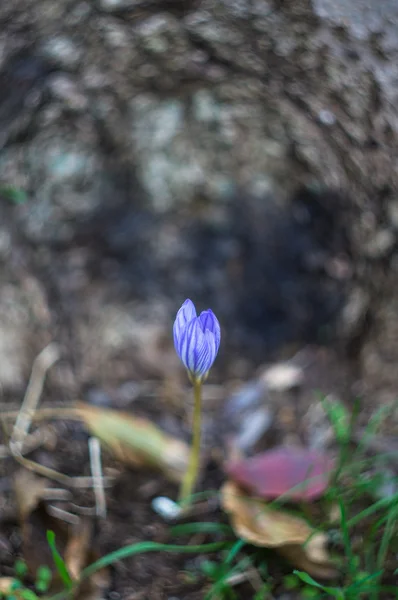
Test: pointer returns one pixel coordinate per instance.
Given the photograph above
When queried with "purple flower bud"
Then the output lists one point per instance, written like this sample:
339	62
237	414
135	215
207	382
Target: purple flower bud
196	339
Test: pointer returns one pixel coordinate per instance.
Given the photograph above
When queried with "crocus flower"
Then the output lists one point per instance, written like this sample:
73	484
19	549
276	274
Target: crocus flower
196	339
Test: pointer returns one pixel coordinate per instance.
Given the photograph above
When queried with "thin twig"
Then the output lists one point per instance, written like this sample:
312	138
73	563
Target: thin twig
63	515
42	414
98	480
56	494
42	363
71	482
87	511
28	412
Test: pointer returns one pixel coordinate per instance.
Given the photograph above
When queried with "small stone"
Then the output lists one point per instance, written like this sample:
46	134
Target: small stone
326	117
166	508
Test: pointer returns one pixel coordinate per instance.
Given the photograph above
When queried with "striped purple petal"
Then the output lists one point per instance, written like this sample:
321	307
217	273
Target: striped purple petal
186	313
196	339
208	320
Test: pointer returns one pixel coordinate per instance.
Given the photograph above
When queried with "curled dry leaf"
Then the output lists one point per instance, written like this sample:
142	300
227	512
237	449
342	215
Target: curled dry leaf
263	526
304	559
74	543
77	548
259	524
78	555
29	492
295	473
35	520
136	441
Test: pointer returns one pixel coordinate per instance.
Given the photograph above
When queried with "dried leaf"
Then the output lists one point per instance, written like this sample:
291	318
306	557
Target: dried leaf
77	548
78	555
29	491
136	441
300	558
74	543
295	473
35	520
261	525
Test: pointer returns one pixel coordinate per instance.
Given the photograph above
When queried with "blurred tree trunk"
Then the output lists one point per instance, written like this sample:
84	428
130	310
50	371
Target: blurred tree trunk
319	79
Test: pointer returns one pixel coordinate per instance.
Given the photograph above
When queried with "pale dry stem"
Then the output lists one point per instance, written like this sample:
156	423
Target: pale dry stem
42	363
98	479
29	412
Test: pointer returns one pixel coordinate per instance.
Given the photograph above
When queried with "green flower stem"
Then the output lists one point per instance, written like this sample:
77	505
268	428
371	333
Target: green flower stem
191	475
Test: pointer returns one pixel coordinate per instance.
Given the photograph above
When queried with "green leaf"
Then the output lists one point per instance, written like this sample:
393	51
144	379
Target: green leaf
340	419
291	582
210	568
59	561
16	585
308	579
309	592
263	592
335	592
43	579
28	595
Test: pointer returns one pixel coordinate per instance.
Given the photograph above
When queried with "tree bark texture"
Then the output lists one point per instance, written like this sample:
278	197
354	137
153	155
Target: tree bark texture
174	112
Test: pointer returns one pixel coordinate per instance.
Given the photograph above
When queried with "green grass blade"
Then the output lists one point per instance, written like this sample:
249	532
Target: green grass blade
142	547
192	528
339	417
361	582
352	566
388	534
59	561
334	592
373	426
234	550
367	512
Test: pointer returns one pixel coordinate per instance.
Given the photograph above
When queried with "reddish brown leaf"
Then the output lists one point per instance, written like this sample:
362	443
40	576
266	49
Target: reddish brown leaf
295	473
